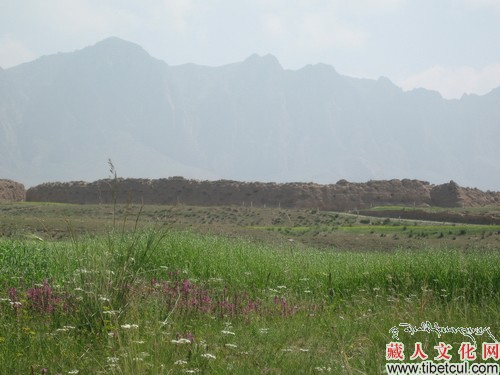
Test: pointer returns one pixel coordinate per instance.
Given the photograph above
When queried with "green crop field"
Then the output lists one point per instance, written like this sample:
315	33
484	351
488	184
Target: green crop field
231	290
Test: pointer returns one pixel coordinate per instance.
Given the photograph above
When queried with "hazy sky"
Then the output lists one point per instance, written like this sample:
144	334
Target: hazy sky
452	46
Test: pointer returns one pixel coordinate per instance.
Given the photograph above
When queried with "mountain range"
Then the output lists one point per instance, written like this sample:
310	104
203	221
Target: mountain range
63	116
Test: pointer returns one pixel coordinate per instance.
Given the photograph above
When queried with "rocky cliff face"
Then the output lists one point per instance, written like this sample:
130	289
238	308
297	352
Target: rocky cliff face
341	196
11	191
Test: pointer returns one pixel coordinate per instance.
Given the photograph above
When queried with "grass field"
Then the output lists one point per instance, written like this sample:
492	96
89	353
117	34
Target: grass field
231	291
312	228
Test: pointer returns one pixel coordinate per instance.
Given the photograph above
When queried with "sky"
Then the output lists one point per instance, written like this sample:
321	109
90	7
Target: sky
451	46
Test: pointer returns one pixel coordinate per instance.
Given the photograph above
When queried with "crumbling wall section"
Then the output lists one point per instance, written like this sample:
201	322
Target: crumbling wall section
342	196
11	191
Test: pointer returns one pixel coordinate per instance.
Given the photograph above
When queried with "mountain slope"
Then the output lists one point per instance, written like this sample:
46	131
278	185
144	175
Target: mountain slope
63	116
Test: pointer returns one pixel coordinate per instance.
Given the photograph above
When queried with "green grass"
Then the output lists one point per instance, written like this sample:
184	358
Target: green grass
395	227
123	303
406	227
472	210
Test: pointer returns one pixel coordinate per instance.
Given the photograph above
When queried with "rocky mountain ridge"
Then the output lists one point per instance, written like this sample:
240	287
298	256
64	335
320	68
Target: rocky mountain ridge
63	115
342	196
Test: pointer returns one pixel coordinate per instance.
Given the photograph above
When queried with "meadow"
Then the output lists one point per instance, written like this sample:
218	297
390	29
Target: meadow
165	290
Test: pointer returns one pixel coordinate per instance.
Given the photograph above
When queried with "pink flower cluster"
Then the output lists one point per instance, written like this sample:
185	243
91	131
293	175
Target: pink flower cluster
189	297
40	298
43	299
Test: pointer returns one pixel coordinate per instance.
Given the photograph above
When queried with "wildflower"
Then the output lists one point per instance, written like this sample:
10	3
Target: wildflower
12	294
180	362
16	305
323	369
304	350
263	330
181	341
186	286
227	332
281	287
73	372
110	312
231	345
208	356
112	359
42	298
129	326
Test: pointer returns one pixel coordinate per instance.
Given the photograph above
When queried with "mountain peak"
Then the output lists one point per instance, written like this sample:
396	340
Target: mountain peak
319	68
115	41
494	93
387	85
263	60
117	47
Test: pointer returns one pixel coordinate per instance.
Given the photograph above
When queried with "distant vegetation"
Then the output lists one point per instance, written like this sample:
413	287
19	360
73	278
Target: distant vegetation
307	227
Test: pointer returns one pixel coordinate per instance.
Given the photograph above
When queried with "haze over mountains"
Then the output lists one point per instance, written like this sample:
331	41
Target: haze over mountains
62	116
